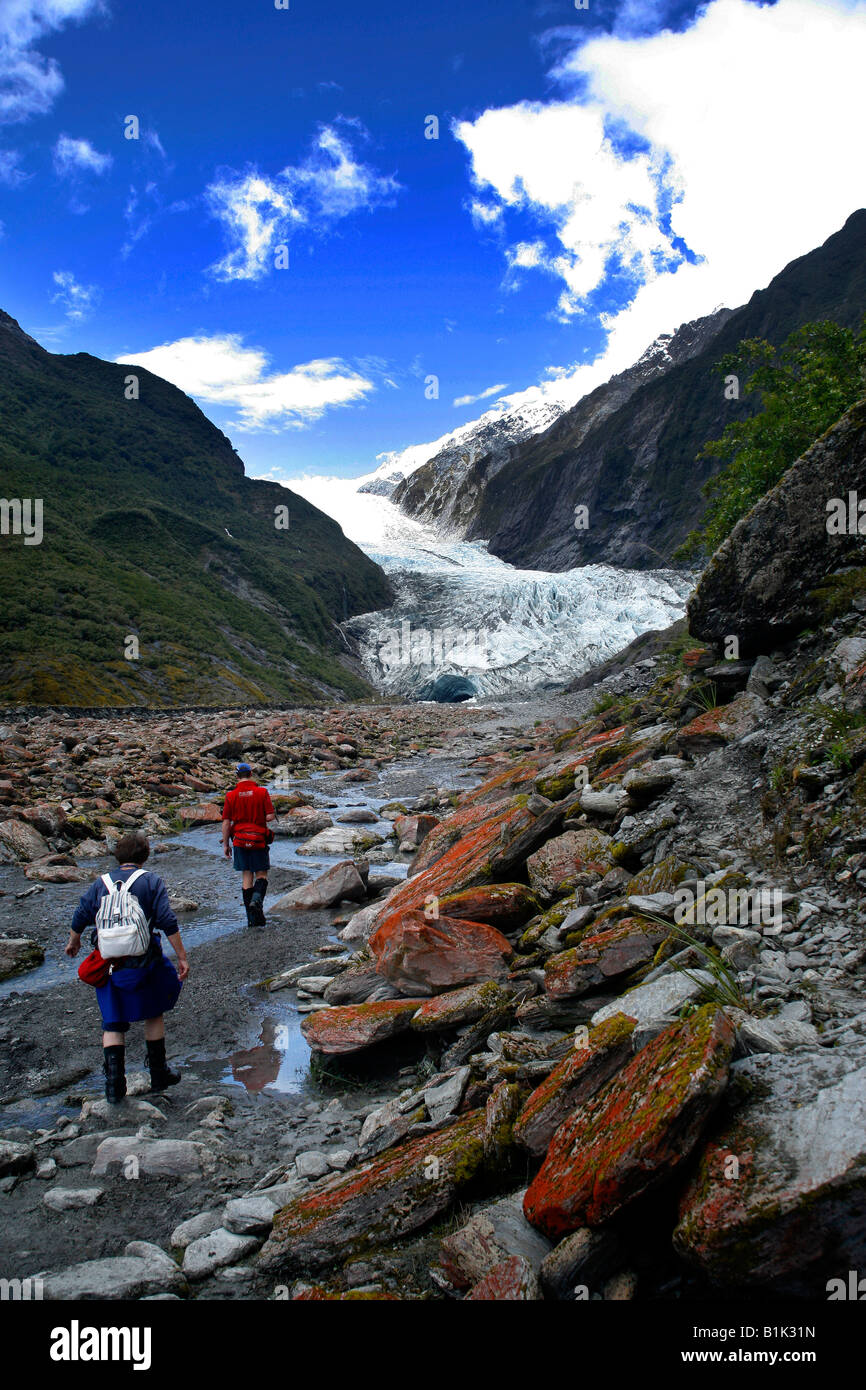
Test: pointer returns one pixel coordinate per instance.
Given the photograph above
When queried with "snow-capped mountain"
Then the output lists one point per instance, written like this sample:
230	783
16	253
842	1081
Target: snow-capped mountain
448	489
508	422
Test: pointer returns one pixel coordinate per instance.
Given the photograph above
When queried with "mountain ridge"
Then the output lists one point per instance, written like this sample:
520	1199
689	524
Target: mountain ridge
153	530
448	490
637	470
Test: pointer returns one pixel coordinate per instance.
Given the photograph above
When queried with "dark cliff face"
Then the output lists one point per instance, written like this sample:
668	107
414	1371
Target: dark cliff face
635	467
764	583
152	528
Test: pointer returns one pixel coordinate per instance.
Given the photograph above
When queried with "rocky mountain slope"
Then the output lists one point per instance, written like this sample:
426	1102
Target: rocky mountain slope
635	467
614	1015
152	531
448	491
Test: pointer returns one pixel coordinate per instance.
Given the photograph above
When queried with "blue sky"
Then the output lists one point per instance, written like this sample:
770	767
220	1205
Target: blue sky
599	177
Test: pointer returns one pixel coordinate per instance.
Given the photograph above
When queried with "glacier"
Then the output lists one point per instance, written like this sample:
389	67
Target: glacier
466	625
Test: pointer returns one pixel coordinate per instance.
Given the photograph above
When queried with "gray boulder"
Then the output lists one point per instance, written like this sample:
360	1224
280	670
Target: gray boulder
759	583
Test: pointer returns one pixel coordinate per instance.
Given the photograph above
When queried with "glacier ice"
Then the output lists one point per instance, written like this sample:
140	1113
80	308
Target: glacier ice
461	612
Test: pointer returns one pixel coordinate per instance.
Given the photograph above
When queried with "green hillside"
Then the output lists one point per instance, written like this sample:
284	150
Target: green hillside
151	529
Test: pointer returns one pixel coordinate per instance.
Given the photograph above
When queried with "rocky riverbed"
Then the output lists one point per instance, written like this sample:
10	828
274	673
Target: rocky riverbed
559	1001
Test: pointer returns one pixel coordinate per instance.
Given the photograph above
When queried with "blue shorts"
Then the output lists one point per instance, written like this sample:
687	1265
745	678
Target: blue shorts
253	860
137	992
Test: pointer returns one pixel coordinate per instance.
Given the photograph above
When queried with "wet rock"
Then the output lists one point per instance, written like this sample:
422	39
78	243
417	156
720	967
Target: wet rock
603	1051
56	873
428	956
651	778
141	1110
361	924
605	803
18	954
157	1158
722	725
458	854
206	814
71	1198
131	1275
637	1130
584	1260
542	1012
491	1235
655	904
459	1006
302	822
602	958
354	1026
23	840
341	882
637	834
503	905
411	830
341	840
515	849
662	998
311	1165
188	1231
777	1035
442	1098
248	1216
561	859
512	1281
388	1124
393	1195
359	984
16	1158
500	1113
795	1215
209	1253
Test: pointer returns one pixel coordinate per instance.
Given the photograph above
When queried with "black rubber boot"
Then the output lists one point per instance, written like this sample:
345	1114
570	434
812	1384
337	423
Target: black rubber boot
114	1066
161	1075
248	893
257	913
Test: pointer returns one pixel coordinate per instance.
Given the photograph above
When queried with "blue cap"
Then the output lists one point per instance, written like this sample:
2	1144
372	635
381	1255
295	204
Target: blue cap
244	767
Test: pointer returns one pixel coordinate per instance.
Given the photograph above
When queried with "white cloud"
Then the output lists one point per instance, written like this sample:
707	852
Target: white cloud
485	214
221	370
78	300
257	216
739	137
76	156
10	174
334	182
260	214
559	162
482	395
30	83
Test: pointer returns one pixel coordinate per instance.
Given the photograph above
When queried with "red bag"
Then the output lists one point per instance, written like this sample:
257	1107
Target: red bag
93	970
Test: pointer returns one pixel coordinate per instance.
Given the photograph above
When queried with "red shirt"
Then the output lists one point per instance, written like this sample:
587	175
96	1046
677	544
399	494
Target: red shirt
248	806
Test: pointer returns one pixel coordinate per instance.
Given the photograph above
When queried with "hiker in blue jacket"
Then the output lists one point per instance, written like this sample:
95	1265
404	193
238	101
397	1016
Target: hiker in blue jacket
139	987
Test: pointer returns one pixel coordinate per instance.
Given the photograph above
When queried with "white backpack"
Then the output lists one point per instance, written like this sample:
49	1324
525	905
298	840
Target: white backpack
121	926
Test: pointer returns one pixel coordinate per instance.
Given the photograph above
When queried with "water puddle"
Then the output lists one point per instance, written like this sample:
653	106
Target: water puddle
280	1062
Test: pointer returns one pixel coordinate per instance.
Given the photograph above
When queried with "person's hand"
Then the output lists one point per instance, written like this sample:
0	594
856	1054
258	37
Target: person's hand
182	969
73	945
227	852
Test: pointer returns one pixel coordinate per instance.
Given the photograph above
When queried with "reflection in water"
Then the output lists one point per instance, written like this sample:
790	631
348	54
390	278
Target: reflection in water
280	1061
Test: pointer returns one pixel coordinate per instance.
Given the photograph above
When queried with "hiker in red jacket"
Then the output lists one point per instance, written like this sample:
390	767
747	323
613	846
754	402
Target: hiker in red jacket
246	813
